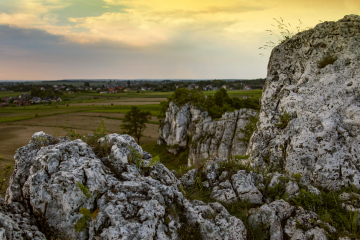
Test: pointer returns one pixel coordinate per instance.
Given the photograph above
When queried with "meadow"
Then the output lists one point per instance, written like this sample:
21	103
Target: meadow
83	113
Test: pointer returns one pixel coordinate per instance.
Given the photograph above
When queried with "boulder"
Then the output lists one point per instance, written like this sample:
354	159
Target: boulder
309	120
68	191
206	139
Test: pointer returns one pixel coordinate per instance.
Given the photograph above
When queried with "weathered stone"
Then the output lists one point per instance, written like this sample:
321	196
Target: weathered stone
245	188
210	139
224	193
127	197
320	138
17	223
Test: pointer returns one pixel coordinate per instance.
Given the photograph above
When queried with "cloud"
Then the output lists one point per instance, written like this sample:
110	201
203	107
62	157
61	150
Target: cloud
37	54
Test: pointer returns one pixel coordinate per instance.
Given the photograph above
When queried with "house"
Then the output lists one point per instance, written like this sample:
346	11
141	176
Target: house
246	87
6	99
103	92
224	87
4	104
143	88
127	89
3	89
35	100
46	100
56	99
42	88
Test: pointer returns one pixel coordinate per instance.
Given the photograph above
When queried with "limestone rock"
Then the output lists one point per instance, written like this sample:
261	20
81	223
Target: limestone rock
310	108
127	197
245	188
214	221
17	223
210	139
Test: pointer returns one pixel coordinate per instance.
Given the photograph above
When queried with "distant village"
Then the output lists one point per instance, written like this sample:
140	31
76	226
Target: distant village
48	92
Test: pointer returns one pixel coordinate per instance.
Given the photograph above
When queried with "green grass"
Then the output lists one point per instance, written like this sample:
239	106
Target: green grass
10	94
171	161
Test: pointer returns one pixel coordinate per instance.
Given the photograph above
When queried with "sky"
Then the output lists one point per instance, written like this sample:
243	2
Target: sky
152	39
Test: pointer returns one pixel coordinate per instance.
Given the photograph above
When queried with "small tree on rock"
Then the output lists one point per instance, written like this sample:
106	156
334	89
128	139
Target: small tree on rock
134	122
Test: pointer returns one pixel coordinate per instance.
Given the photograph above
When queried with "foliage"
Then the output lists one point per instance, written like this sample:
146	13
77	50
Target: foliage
176	162
215	105
92	139
84	189
234	164
5	172
240	210
276	192
284	120
283	32
328	59
328	206
84	220
249	129
154	161
134	122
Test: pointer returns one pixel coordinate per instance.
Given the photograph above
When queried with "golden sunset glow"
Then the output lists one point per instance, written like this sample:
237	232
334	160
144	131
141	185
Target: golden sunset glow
148	39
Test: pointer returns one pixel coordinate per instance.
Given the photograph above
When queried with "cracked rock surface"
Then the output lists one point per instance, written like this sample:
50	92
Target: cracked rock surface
314	79
210	138
127	199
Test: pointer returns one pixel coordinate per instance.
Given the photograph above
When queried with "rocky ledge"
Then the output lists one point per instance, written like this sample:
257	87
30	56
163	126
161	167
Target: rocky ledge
310	108
186	127
61	190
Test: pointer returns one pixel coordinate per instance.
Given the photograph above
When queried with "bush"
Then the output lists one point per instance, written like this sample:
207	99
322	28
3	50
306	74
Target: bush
215	105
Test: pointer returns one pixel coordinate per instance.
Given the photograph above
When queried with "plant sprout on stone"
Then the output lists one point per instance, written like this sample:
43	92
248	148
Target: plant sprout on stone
283	31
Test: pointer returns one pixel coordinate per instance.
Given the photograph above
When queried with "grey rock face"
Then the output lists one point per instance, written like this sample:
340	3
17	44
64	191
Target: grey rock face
320	139
17	223
244	185
128	198
210	139
273	215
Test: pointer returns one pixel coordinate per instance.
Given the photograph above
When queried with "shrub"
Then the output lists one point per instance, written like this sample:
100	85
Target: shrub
215	105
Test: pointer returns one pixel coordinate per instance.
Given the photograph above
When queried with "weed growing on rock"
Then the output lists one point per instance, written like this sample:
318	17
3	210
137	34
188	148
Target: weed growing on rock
92	139
240	210
283	31
5	172
84	220
328	59
284	120
84	189
249	129
329	208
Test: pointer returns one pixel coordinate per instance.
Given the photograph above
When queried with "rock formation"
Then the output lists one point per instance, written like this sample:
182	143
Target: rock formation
126	195
310	108
206	138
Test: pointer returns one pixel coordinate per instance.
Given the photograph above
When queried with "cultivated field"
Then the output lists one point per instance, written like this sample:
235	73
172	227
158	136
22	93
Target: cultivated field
83	113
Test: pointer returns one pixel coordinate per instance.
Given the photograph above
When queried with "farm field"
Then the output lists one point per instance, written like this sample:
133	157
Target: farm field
83	113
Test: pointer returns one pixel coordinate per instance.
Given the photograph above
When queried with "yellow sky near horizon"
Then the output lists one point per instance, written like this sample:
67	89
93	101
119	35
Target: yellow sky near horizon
144	25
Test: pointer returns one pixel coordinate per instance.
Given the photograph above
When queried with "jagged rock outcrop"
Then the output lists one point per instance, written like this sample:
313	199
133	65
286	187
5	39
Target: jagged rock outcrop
127	195
17	223
310	108
206	138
